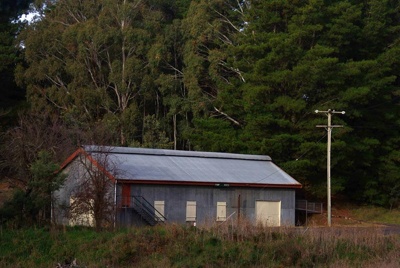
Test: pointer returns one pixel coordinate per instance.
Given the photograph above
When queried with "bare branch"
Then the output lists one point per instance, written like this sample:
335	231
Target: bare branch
227	116
174	68
225	39
225	19
235	70
50	99
93	199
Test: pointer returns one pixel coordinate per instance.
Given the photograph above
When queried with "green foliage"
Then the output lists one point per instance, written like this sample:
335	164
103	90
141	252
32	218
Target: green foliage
177	246
91	60
12	96
32	205
44	179
231	76
301	56
214	135
154	136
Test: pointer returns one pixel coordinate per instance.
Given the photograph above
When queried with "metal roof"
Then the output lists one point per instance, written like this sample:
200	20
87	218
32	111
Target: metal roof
183	167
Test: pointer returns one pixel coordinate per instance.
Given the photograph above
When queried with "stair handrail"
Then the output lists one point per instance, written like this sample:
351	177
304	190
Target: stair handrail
149	208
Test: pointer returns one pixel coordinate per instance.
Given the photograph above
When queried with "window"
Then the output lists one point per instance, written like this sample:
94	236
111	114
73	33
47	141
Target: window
159	210
191	211
221	211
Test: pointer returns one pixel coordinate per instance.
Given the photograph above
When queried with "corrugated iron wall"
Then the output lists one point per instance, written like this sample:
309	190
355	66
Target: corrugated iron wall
206	198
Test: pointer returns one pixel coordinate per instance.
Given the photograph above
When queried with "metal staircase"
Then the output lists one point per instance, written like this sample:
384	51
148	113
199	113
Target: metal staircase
147	212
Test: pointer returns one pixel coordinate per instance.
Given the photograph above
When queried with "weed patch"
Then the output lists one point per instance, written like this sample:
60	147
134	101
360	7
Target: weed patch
215	246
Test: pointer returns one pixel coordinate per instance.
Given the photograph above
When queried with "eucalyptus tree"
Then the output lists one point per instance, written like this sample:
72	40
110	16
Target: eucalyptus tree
237	76
192	67
90	61
209	30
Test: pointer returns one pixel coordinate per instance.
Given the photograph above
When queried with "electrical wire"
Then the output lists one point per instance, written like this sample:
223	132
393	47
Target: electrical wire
311	148
296	160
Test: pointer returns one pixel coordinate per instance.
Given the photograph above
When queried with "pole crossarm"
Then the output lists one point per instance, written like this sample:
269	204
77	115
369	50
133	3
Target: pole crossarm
330	112
329	128
326	126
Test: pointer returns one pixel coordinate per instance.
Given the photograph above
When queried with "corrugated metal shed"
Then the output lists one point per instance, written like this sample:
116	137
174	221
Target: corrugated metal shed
138	165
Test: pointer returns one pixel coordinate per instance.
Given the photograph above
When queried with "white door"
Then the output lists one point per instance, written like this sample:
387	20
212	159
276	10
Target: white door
268	213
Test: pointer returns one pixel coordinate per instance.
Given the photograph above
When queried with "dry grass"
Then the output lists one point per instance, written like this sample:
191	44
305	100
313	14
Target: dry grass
232	244
318	246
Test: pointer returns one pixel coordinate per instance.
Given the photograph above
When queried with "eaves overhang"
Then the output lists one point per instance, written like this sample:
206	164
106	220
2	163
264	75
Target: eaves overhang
215	184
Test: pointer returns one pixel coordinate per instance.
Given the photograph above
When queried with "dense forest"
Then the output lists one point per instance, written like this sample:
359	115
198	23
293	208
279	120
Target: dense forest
240	76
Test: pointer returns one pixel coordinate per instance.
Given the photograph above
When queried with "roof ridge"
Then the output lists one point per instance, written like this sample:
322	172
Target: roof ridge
168	152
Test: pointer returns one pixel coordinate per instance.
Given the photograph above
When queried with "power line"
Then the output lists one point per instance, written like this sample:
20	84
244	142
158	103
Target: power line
268	176
375	127
296	160
310	148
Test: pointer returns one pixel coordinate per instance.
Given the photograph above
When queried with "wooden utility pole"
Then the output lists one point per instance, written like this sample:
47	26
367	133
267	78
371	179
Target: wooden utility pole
328	161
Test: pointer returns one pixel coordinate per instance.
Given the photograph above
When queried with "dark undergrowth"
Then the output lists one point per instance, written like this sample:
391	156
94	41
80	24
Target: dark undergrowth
181	246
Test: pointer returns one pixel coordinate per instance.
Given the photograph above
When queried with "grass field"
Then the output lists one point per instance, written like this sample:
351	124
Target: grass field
377	214
347	214
237	245
354	241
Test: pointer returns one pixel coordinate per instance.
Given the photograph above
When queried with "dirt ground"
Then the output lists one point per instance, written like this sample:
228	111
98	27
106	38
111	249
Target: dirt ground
341	216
